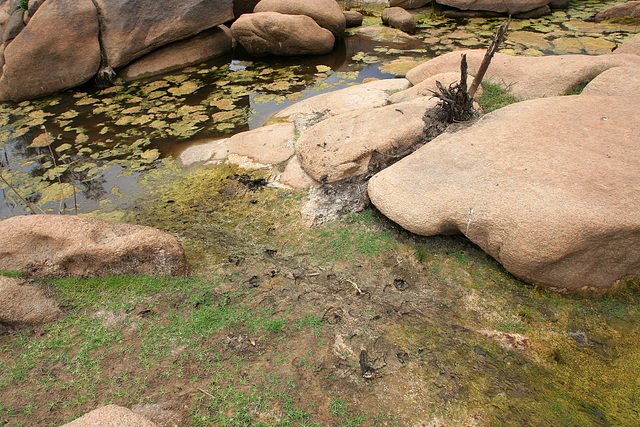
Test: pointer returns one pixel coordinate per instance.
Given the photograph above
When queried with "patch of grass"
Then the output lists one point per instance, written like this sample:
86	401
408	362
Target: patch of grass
495	97
87	292
12	274
355	235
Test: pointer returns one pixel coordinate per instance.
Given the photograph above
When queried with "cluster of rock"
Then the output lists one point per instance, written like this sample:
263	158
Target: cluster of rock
545	186
537	184
290	27
55	45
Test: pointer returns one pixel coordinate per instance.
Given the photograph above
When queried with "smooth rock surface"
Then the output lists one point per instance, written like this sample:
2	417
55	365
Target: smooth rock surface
527	77
59	49
307	112
617	81
266	145
202	47
630	9
274	33
397	17
631	46
504	6
111	416
548	187
22	304
62	245
327	13
344	146
132	28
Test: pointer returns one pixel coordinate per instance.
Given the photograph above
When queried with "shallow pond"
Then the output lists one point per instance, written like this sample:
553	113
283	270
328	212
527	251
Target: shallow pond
89	149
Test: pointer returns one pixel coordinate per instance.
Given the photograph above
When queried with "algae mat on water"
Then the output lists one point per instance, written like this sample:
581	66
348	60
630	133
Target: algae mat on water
354	322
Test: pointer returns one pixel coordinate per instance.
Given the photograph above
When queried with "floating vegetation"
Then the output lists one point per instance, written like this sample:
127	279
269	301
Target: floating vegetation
135	127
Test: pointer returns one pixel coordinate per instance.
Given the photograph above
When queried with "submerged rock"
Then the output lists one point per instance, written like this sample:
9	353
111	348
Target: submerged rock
59	245
22	304
547	187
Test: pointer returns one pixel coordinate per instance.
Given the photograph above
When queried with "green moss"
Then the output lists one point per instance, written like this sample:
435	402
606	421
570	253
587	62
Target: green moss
495	97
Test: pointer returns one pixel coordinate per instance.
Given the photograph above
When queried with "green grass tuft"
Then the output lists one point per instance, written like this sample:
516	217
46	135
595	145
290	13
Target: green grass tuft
495	97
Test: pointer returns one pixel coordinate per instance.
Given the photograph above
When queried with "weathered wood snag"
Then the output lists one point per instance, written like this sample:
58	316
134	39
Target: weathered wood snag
456	101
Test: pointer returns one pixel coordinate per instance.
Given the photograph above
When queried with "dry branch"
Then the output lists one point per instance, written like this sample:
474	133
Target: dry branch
456	101
497	40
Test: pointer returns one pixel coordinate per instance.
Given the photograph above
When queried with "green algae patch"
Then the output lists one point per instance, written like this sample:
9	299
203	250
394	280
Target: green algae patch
217	211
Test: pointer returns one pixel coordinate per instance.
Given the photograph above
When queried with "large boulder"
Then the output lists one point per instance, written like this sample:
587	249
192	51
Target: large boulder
397	17
350	144
272	33
369	95
327	13
22	304
204	46
527	77
629	9
59	245
57	50
505	6
132	28
547	187
111	416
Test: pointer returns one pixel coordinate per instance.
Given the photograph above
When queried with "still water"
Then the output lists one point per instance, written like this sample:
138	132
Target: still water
109	145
